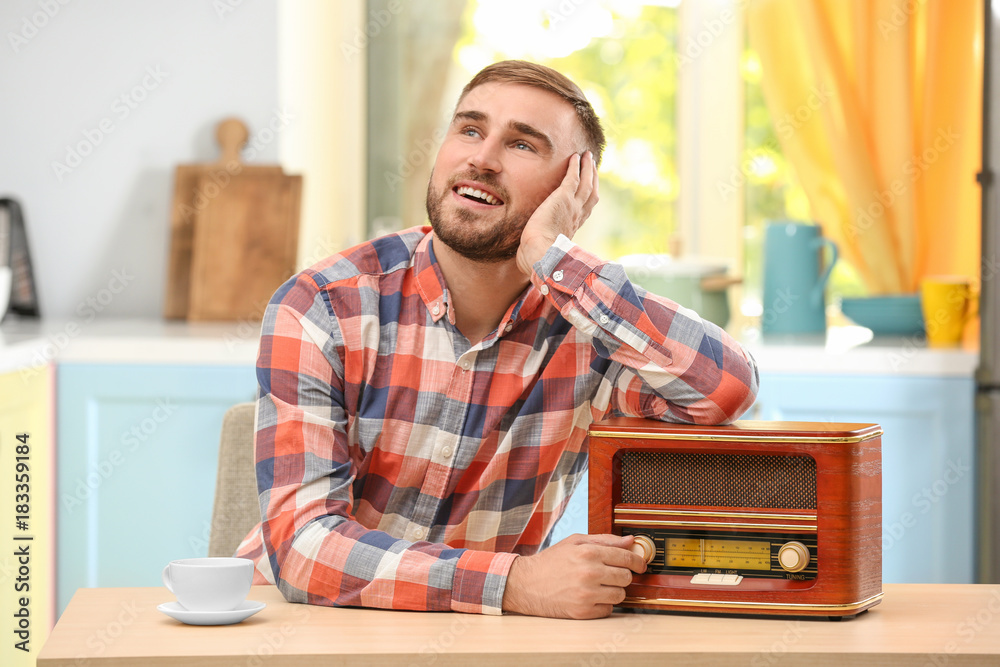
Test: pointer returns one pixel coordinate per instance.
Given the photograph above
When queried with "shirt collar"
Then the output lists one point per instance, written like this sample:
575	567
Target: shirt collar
434	292
429	279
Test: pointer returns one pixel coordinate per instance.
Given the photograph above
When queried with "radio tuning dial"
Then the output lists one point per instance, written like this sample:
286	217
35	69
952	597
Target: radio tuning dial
643	547
793	556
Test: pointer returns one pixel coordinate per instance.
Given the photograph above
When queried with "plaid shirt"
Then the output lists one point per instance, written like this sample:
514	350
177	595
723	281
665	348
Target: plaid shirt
398	466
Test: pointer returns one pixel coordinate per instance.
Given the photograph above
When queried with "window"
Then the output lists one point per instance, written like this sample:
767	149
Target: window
677	92
772	192
623	56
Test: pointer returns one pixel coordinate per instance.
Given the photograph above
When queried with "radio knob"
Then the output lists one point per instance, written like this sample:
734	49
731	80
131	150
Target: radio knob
644	548
793	556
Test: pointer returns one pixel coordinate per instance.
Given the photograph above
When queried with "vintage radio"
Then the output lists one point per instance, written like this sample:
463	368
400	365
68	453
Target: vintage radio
776	518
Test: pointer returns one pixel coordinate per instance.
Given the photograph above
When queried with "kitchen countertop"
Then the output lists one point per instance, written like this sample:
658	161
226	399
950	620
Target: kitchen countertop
843	350
26	343
852	350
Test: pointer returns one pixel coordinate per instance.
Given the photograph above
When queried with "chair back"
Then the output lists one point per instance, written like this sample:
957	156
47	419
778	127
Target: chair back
236	509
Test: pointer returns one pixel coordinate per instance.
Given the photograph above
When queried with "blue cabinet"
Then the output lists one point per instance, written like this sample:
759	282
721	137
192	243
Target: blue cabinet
928	479
137	452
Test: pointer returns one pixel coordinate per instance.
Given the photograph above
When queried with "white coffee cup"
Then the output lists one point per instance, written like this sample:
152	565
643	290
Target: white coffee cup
209	584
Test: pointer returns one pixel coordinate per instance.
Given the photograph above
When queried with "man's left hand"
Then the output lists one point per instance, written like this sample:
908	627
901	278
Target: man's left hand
563	212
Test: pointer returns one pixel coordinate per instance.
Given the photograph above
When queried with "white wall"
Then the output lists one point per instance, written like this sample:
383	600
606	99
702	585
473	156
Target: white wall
59	81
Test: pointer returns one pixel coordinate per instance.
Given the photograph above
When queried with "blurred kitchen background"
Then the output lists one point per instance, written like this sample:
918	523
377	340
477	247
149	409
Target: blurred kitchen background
722	116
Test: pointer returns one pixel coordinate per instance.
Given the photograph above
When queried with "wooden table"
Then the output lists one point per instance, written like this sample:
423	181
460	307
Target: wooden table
917	624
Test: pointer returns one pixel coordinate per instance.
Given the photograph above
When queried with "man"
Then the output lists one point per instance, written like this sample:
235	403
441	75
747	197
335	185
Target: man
425	397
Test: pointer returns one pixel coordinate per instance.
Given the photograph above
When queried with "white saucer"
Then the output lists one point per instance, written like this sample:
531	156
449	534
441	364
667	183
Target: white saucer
243	611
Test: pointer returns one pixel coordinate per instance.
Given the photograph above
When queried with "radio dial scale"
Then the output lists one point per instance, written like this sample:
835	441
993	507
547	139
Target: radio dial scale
685	553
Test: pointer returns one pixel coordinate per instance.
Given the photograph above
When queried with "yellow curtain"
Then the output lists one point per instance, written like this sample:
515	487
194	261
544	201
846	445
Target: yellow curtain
878	106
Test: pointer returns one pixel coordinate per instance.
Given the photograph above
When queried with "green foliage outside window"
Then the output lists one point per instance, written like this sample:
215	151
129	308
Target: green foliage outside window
628	67
630	76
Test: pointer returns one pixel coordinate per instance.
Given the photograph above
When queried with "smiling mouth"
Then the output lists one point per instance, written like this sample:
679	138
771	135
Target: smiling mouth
477	195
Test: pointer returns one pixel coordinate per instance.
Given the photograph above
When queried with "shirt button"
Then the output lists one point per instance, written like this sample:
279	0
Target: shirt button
544	289
466	365
557	276
604	319
436	310
446	452
419	533
508	327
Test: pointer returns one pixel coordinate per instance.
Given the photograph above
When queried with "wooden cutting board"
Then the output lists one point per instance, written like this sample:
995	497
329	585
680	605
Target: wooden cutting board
234	234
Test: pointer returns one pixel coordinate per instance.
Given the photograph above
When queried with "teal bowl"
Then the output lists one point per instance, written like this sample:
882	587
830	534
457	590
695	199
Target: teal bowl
886	315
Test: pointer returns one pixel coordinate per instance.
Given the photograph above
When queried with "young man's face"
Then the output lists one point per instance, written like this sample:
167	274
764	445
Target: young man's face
512	143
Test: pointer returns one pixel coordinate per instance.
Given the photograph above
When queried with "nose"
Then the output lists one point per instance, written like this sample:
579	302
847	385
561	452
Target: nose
486	157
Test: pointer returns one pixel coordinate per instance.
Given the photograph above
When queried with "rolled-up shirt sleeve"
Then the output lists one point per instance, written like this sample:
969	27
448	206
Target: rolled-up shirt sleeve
671	364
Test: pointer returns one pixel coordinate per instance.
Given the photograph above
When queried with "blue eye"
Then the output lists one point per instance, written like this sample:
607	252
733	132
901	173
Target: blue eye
521	145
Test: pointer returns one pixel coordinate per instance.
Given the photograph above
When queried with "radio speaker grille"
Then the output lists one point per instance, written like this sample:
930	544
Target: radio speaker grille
718	480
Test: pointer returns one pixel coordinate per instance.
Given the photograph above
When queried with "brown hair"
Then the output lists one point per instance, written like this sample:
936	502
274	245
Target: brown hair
546	78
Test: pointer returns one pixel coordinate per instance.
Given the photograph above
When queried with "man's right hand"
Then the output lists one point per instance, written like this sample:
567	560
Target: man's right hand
583	576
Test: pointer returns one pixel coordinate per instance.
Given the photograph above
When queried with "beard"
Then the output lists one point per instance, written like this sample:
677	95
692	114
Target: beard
494	245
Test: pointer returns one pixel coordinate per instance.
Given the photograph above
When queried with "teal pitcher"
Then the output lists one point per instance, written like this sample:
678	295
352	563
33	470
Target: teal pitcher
795	278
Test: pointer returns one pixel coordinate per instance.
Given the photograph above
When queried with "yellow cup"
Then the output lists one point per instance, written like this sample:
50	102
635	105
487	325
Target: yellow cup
948	304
